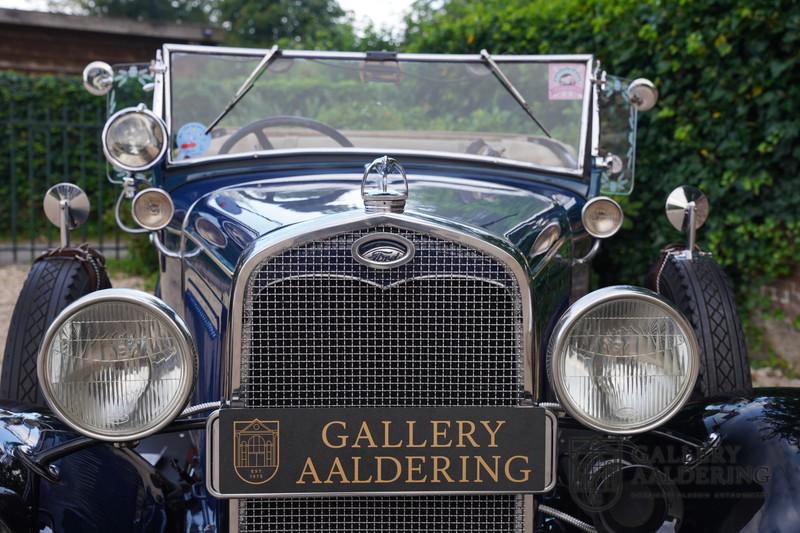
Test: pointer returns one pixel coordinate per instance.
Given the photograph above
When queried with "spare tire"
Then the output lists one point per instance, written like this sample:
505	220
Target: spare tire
56	280
700	289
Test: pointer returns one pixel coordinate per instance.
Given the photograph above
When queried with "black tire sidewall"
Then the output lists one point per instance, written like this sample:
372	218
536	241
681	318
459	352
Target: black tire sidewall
53	283
699	288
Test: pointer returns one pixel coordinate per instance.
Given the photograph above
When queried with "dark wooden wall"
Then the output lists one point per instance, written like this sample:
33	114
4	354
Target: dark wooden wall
34	42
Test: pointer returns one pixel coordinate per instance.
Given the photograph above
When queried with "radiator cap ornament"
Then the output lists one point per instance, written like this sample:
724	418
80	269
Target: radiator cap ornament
384	187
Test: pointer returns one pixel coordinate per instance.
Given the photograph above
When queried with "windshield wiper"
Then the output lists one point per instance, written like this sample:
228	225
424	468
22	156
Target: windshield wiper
271	55
506	83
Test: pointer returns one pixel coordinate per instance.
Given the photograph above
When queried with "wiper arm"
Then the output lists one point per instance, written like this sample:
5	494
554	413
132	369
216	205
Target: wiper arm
506	83
271	55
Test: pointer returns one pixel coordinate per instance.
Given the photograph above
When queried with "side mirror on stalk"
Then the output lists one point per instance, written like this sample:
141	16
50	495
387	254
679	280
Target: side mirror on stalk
687	211
67	207
98	78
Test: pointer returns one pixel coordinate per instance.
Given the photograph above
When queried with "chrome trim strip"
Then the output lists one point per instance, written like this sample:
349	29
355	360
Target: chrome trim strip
389	286
577	310
595	135
370	152
158	85
550	451
212	449
588	59
152	304
316	54
212	481
214	259
527	513
233	516
296	234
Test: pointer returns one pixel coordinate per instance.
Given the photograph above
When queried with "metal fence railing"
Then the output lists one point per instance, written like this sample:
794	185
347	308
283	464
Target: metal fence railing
41	145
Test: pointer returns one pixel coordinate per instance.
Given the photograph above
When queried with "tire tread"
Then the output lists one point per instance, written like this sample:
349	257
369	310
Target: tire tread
52	284
702	291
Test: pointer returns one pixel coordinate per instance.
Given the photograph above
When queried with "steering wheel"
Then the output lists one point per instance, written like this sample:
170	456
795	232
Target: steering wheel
481	147
257	128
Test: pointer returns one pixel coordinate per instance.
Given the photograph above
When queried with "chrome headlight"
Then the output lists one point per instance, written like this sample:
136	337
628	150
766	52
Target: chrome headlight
134	139
623	360
117	365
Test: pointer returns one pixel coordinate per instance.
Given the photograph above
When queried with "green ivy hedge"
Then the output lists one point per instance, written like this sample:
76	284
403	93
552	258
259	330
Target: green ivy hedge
49	132
728	120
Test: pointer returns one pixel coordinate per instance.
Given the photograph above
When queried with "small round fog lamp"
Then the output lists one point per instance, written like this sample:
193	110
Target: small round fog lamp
134	139
152	208
602	217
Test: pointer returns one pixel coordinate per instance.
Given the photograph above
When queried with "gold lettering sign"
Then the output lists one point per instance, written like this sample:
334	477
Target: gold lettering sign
476	464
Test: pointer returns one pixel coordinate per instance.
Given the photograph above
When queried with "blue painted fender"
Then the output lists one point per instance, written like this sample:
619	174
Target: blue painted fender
751	482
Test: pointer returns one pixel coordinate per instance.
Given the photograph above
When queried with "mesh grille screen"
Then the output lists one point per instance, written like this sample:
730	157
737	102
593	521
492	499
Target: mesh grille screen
407	514
323	330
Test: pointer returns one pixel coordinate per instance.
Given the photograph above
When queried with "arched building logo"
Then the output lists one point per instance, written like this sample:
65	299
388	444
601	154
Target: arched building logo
256	450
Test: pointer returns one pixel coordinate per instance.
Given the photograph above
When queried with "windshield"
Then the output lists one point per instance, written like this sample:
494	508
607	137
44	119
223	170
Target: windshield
453	105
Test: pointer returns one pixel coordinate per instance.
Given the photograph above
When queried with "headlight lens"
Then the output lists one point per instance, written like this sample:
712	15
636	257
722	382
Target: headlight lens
623	360
117	365
134	139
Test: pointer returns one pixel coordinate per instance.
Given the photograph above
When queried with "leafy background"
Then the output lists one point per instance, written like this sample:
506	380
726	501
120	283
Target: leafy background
727	121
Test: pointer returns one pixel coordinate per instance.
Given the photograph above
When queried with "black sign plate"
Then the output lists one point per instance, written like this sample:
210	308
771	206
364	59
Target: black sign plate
301	452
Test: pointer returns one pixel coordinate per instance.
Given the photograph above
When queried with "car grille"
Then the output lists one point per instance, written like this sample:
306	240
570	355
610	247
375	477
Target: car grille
322	330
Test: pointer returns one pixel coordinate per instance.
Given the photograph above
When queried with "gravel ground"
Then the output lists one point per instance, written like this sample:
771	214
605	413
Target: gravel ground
772	377
14	276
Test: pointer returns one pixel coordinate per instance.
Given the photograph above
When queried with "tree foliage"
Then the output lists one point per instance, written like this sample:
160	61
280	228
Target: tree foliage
197	11
728	120
288	23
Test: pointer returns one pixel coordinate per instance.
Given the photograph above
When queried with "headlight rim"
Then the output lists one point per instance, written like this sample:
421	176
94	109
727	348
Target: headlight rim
129	110
153	304
586	304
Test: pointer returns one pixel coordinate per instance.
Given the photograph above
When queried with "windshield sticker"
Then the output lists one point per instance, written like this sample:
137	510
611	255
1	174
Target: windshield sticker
565	81
192	140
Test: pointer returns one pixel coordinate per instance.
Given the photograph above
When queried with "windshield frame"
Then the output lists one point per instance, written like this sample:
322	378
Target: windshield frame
164	101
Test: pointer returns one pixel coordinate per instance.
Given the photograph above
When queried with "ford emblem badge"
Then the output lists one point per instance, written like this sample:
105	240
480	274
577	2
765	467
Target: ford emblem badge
383	250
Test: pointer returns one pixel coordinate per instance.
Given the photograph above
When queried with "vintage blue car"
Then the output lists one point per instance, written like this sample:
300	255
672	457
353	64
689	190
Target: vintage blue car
374	315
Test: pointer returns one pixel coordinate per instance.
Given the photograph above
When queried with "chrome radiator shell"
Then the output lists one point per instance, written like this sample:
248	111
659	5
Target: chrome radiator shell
253	515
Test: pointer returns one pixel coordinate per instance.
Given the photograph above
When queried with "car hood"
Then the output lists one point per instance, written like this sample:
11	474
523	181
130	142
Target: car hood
228	220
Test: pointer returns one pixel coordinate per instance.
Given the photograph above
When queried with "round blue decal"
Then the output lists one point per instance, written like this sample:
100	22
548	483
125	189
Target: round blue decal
192	140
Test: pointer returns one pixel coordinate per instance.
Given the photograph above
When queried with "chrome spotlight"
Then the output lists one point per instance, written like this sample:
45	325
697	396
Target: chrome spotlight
98	78
643	94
